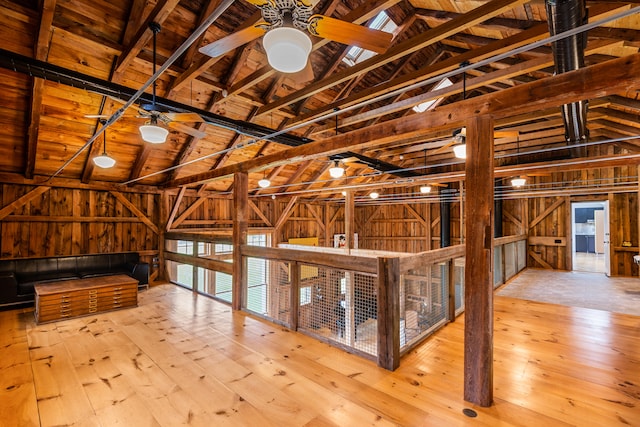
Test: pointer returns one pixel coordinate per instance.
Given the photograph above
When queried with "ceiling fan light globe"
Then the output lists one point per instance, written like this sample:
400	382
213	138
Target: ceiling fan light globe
425	189
460	151
374	195
287	49
153	134
104	161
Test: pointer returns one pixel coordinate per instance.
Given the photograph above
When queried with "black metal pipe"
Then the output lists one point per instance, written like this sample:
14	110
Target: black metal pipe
568	53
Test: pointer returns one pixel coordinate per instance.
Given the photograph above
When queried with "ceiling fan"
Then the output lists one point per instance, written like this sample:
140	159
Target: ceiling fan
285	26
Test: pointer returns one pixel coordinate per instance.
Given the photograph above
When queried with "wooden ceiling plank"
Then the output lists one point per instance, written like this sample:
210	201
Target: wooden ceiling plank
428	38
501	74
159	14
359	15
595	81
206	11
535	33
41	50
196	68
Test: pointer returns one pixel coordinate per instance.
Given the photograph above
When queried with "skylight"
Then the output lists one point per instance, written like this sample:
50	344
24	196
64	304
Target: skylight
380	22
428	105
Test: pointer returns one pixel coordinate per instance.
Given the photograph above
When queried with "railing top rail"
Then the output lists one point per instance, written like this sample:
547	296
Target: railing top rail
333	260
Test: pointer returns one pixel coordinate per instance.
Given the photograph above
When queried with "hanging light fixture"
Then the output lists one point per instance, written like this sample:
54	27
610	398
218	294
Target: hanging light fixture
151	132
336	171
374	195
264	182
424	189
287	47
518	182
460	149
103	160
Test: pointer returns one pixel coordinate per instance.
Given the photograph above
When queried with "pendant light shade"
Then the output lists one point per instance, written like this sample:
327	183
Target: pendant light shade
287	49
460	151
264	183
153	133
425	189
103	160
336	171
374	195
518	182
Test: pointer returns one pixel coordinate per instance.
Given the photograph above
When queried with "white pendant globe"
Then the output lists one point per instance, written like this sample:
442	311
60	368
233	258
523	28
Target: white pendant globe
518	182
287	49
460	151
425	189
264	183
104	161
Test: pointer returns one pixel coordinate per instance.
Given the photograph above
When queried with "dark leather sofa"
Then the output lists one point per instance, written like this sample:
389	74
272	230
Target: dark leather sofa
18	276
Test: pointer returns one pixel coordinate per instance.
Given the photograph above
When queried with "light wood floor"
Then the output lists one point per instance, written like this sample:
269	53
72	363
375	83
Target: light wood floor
183	360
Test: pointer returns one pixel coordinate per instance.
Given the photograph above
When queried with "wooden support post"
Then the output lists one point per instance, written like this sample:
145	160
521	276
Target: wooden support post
568	248
241	209
478	319
389	313
451	312
349	220
164	215
294	295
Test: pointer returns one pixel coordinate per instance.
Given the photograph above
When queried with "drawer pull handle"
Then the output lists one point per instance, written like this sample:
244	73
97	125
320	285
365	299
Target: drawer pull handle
93	310
93	304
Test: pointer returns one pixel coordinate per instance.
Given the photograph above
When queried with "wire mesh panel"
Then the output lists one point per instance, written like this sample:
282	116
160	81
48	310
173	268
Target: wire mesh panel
458	280
423	301
267	289
339	306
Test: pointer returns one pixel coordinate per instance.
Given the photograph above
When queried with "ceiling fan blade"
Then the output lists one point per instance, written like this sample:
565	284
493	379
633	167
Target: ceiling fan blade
445	147
184	117
232	41
349	34
186	129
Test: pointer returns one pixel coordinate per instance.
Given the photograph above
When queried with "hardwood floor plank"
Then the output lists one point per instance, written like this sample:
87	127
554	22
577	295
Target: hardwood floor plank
180	359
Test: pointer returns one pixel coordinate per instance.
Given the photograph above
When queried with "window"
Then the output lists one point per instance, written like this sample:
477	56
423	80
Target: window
428	105
357	54
305	295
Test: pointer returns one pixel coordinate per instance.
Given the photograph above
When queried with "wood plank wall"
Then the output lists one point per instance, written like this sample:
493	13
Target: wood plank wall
65	221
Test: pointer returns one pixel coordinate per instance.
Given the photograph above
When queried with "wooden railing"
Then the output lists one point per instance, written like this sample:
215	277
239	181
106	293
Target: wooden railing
414	293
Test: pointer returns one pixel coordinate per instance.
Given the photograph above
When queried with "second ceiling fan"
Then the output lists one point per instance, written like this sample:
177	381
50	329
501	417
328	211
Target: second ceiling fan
285	26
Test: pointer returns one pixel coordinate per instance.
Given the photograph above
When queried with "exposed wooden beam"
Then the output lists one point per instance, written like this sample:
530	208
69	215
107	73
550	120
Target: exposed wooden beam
22	200
45	32
134	210
174	210
590	82
159	14
428	38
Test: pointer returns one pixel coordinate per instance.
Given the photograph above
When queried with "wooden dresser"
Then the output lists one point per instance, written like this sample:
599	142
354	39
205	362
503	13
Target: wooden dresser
81	297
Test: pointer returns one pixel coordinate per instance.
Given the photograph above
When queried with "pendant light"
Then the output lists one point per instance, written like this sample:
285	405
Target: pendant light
460	149
336	171
103	160
426	188
151	132
264	182
518	181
